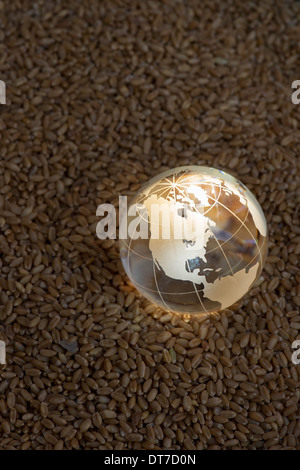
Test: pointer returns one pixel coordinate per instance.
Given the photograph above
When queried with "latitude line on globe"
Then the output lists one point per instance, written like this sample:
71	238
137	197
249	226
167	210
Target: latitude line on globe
189	292
209	251
200	290
175	293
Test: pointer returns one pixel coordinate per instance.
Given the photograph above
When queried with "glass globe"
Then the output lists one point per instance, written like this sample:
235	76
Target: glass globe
196	240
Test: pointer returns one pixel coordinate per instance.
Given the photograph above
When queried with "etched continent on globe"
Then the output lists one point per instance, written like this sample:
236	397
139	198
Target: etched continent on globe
207	241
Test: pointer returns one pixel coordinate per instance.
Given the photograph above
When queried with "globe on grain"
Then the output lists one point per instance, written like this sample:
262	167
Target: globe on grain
206	241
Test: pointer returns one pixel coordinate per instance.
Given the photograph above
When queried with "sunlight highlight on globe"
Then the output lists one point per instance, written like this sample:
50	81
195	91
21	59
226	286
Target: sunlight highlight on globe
197	240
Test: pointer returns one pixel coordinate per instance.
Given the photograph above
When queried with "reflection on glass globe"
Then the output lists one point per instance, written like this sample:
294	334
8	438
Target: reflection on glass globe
197	242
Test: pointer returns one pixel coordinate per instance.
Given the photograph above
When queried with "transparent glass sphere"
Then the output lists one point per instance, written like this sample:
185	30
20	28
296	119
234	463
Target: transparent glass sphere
196	240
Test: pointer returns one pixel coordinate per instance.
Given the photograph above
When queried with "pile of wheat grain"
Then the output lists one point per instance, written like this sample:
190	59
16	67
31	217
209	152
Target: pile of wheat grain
101	96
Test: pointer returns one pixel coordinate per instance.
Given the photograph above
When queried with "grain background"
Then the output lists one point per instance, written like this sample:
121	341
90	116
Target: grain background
101	96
